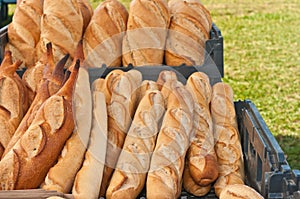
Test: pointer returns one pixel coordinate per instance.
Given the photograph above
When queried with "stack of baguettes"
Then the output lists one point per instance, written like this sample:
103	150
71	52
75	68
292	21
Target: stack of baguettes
152	33
127	134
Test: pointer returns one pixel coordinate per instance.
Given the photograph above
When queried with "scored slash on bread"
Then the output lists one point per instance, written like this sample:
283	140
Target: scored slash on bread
13	100
27	163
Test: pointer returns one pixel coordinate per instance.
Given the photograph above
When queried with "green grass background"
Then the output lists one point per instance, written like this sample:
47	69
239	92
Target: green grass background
262	61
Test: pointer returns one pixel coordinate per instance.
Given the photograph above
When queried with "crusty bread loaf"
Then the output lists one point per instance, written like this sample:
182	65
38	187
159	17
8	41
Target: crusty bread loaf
26	165
201	156
189	29
145	86
103	37
86	12
239	191
228	146
13	99
24	31
51	84
133	164
61	24
121	108
61	176
144	42
191	186
164	178
88	179
33	76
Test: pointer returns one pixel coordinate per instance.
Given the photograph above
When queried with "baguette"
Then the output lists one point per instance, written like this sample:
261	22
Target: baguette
133	164
238	191
49	87
189	30
61	24
103	37
147	28
228	146
13	103
201	156
165	76
26	165
145	86
165	175
24	31
88	179
121	108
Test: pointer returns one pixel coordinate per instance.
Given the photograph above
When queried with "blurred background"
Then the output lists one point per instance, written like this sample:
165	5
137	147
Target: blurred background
262	60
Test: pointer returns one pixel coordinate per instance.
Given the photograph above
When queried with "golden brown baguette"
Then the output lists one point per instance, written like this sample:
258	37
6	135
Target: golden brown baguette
88	179
239	191
201	156
133	164
86	12
164	178
52	83
24	31
228	146
61	24
13	103
103	37
121	108
189	29
147	27
26	165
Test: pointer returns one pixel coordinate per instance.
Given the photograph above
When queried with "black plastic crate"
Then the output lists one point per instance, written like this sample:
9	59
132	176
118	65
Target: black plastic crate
213	48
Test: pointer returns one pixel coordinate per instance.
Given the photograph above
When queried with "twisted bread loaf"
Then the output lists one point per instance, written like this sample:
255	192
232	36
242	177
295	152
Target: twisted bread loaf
13	100
88	179
189	29
24	31
133	164
103	37
61	24
144	42
61	176
165	175
201	156
228	147
120	110
51	84
26	165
